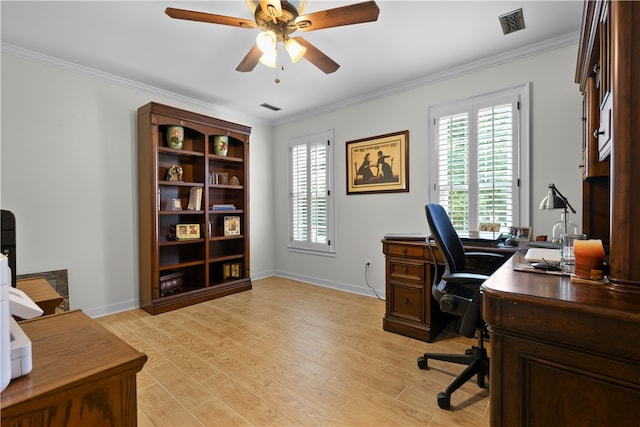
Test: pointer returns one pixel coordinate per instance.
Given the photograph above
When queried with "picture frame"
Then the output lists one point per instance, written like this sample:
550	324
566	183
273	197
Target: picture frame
378	164
231	270
522	234
176	204
231	225
187	231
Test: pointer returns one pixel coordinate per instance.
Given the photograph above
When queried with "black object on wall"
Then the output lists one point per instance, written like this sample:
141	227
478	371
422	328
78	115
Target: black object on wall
8	241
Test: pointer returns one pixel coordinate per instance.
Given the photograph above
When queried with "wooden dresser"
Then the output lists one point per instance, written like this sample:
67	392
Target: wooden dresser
82	375
410	270
562	353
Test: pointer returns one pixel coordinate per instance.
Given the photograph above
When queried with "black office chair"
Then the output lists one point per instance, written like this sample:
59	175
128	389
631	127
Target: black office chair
458	293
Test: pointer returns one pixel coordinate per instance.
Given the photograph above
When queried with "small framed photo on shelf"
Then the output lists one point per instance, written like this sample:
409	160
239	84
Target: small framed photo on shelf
522	234
176	205
187	231
222	178
231	270
231	225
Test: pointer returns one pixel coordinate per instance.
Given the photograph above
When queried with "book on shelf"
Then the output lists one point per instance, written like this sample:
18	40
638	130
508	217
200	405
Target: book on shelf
223	207
195	199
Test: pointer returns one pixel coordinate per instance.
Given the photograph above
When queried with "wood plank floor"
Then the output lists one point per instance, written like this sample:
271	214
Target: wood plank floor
291	354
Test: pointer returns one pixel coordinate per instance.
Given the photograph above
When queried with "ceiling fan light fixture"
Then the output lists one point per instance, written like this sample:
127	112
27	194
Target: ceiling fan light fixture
269	58
266	41
295	50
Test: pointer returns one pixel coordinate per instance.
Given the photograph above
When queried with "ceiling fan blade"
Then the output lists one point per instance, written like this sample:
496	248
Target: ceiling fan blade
250	61
191	15
358	13
317	58
273	8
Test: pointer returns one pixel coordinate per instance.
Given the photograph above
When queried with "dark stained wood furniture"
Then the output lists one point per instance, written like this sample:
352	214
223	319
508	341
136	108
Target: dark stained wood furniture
82	375
562	353
410	308
176	273
607	72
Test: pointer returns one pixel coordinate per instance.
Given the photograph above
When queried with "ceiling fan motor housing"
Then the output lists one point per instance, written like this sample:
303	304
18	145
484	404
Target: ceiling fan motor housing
282	25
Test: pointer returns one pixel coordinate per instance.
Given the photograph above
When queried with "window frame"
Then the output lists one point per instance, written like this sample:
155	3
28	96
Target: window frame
310	246
521	160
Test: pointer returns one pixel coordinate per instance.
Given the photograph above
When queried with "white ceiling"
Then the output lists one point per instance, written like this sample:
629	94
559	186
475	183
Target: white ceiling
411	42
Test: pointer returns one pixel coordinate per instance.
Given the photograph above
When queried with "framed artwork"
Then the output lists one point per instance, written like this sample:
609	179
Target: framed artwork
231	225
523	234
187	231
379	164
231	270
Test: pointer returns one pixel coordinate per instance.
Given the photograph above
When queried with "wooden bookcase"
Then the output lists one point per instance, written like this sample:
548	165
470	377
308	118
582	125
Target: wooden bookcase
211	263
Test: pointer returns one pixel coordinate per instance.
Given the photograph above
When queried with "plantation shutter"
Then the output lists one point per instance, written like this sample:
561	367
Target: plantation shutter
318	193
476	165
495	165
300	192
453	161
310	216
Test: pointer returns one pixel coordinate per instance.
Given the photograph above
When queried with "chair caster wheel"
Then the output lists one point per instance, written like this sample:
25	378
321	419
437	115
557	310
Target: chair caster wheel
422	363
444	401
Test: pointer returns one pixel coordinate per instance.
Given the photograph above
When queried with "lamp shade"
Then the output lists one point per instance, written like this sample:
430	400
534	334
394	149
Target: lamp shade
269	58
266	41
552	200
295	50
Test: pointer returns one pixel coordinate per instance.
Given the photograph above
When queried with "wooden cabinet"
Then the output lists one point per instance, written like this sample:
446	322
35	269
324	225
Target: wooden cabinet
562	353
607	70
82	375
191	249
410	308
410	271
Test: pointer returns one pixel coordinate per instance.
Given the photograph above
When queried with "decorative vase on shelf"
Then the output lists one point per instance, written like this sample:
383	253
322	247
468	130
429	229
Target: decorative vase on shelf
221	145
175	137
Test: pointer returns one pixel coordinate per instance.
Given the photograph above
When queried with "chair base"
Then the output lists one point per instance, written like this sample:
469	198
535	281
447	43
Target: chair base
477	362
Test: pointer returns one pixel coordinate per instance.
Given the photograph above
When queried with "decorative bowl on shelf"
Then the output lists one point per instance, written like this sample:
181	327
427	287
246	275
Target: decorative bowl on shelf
175	137
221	145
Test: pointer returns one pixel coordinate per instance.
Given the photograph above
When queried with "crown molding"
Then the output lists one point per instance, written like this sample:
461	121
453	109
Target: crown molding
112	78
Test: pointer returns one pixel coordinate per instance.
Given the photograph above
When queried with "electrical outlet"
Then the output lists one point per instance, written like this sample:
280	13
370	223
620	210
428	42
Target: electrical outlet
367	264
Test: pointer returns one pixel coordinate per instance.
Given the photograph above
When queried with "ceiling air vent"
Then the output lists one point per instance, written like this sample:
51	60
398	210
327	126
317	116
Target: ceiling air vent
270	107
512	21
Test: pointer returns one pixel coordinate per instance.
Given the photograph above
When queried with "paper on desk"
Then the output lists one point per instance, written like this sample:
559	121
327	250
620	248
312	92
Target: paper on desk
542	254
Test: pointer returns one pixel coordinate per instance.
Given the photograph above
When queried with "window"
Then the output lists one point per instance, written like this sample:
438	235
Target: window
310	193
480	149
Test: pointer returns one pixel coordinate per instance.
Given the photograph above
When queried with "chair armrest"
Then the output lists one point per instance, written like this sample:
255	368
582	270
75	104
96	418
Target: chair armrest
464	279
489	256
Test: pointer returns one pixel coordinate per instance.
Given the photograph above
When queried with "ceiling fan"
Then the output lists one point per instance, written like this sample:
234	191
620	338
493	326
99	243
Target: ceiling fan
280	18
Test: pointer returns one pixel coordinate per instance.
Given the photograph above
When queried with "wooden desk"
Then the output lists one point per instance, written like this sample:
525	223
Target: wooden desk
82	375
410	269
562	353
40	292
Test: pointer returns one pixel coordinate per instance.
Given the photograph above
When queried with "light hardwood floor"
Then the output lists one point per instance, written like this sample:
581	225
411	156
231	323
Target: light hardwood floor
291	354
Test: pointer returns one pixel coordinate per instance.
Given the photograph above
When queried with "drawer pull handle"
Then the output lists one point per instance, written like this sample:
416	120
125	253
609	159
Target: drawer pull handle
406	300
406	270
404	250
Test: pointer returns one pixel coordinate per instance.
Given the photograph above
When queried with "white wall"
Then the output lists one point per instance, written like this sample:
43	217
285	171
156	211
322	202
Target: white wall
68	171
363	220
69	174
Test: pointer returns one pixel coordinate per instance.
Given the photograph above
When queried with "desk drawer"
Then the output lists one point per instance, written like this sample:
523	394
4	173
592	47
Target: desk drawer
407	302
407	271
407	251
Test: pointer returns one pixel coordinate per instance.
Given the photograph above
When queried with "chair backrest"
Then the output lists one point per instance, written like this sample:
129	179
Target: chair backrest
447	240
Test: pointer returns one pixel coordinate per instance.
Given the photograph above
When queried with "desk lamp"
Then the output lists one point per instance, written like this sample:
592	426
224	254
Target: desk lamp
555	200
